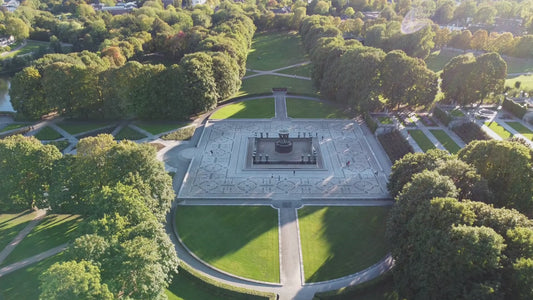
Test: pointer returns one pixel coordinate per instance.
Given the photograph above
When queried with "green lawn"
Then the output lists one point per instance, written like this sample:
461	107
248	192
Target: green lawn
249	109
48	134
299	71
421	139
24	283
159	127
11	224
457	113
338	241
301	108
380	288
438	59
264	84
275	50
523	130
385	120
74	128
499	130
127	133
526	82
31	46
60	145
446	140
242	240
53	231
13	126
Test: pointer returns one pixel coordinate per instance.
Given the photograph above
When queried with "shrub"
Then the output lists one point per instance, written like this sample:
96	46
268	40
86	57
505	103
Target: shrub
442	116
372	125
395	145
514	108
469	132
180	134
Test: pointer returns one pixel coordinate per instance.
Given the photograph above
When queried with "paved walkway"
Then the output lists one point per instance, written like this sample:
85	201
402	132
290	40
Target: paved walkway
22	234
31	260
275	72
281	106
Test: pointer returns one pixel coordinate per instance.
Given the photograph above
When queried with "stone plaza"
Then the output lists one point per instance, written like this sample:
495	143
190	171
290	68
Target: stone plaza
349	169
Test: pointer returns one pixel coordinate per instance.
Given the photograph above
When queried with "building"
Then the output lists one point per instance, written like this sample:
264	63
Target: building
11	6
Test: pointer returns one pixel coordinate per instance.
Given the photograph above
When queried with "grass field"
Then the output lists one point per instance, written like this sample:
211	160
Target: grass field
446	140
51	232
159	127
31	46
48	134
127	133
24	283
299	71
301	108
526	82
13	126
275	50
438	59
523	130
242	240
11	224
421	139
264	84
499	130
250	109
79	127
338	241
385	120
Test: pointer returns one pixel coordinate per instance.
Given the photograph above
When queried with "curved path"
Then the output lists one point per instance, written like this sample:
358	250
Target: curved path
292	284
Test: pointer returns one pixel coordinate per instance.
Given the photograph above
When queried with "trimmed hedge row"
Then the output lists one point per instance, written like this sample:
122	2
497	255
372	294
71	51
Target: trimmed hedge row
514	108
383	284
395	145
370	122
181	134
469	132
443	116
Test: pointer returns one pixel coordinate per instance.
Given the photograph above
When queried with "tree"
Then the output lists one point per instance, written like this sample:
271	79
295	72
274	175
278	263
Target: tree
17	28
27	94
200	82
73	280
226	74
523	278
407	80
507	168
26	170
479	40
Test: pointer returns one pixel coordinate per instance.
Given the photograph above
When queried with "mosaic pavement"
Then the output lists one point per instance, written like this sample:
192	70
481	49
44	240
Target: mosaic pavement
217	169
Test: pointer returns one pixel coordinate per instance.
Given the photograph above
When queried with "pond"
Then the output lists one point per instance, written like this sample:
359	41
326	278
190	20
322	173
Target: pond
5	100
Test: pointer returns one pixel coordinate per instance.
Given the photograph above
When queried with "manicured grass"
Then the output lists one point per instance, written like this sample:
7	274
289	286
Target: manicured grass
446	140
338	241
48	134
24	283
159	127
301	108
385	120
53	231
304	70
264	84
457	113
523	130
242	240
499	130
60	145
127	133
13	126
380	288
31	46
421	139
249	109
438	59
79	127
275	50
526	82
11	224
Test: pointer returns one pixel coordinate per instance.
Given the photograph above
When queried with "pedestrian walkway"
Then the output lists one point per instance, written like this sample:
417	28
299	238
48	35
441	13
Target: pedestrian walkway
22	234
31	260
275	72
281	105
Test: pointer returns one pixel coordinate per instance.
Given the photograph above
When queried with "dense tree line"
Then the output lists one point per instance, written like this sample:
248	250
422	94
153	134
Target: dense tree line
358	76
122	192
87	85
447	246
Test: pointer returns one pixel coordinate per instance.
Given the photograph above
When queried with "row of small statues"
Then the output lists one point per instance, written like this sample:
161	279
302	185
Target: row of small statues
299	134
258	159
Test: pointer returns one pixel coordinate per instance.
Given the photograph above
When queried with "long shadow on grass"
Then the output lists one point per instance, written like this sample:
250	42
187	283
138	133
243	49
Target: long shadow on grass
355	237
212	232
14	217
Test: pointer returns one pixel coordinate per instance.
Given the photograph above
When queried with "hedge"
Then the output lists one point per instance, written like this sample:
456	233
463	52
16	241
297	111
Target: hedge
381	284
395	145
443	116
372	125
470	131
514	108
